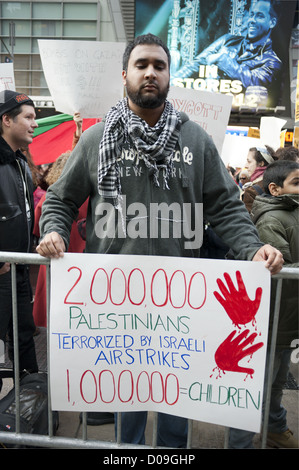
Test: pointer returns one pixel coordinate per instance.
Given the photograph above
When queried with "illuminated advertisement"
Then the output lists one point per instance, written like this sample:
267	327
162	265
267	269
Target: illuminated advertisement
237	47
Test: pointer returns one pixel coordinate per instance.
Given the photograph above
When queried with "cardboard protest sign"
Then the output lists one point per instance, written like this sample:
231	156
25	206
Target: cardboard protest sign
210	110
185	337
235	149
7	79
83	76
270	130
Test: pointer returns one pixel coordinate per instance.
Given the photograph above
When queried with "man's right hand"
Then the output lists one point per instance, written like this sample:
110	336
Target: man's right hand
5	268
51	246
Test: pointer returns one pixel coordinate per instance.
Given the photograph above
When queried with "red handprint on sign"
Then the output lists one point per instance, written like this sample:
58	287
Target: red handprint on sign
231	351
237	304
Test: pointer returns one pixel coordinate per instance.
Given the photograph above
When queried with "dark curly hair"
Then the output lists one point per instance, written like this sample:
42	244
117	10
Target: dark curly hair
140	40
277	172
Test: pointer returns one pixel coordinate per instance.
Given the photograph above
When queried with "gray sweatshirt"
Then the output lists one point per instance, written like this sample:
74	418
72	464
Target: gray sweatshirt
152	220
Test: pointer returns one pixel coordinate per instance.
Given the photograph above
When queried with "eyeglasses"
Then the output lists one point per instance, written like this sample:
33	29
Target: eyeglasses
243	178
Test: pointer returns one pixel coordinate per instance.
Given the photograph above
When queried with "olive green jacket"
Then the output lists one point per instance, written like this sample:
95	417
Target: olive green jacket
277	221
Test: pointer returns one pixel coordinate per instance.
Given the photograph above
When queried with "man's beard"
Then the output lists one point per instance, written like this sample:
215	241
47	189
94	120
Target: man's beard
148	101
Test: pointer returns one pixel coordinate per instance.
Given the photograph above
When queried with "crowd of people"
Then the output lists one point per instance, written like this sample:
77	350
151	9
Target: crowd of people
144	124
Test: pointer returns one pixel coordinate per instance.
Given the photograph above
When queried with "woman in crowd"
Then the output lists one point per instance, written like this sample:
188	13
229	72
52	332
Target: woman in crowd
257	161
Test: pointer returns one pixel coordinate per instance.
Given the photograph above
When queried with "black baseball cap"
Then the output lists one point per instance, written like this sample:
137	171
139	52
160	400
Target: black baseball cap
11	99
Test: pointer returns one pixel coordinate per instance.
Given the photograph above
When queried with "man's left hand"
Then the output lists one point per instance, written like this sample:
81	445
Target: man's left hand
272	256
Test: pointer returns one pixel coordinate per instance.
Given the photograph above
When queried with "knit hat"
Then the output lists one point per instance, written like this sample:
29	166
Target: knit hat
11	99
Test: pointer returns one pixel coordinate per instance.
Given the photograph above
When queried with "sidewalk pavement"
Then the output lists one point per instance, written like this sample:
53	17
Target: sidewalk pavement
204	435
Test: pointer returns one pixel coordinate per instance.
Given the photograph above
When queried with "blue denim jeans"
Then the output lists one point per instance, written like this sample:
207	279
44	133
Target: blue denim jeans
240	439
172	430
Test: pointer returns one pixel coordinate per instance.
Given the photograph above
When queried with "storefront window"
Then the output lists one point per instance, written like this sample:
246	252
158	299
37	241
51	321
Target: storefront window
80	11
48	28
47	10
15	10
22	28
22	45
79	29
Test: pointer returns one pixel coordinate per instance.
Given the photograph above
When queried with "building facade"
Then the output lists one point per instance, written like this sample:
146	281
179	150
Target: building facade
24	22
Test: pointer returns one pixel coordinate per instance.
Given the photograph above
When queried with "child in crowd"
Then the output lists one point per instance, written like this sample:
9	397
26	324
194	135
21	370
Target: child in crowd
276	216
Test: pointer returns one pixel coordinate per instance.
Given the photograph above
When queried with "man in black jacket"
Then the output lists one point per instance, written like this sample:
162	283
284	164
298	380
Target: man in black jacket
17	124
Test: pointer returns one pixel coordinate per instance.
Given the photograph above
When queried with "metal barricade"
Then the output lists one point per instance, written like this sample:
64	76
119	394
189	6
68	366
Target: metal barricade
52	441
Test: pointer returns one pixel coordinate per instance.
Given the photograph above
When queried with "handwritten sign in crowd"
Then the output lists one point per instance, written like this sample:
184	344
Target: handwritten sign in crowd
7	79
210	110
181	336
83	76
86	77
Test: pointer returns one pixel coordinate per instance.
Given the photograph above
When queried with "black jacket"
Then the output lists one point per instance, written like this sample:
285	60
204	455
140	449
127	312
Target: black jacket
15	229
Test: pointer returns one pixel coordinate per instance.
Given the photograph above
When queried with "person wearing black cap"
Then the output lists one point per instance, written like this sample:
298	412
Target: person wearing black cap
17	124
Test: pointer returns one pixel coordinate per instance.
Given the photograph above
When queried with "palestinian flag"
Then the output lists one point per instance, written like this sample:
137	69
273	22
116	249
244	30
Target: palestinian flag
54	136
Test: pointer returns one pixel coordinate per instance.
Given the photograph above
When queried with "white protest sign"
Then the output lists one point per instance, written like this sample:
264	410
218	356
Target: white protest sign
132	333
235	149
83	76
7	78
210	110
270	128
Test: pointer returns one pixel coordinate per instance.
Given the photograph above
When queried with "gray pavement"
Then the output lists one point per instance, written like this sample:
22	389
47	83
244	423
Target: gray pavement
204	435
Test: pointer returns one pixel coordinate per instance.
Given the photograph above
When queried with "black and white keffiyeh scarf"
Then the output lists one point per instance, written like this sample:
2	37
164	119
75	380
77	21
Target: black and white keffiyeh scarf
154	145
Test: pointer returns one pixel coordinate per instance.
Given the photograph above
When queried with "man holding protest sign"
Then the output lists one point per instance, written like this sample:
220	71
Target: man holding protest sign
151	175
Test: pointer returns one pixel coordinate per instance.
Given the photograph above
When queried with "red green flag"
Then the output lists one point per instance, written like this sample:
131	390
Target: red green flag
54	136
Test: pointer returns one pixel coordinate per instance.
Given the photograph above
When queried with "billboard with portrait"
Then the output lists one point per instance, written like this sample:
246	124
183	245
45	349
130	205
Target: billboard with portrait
227	46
